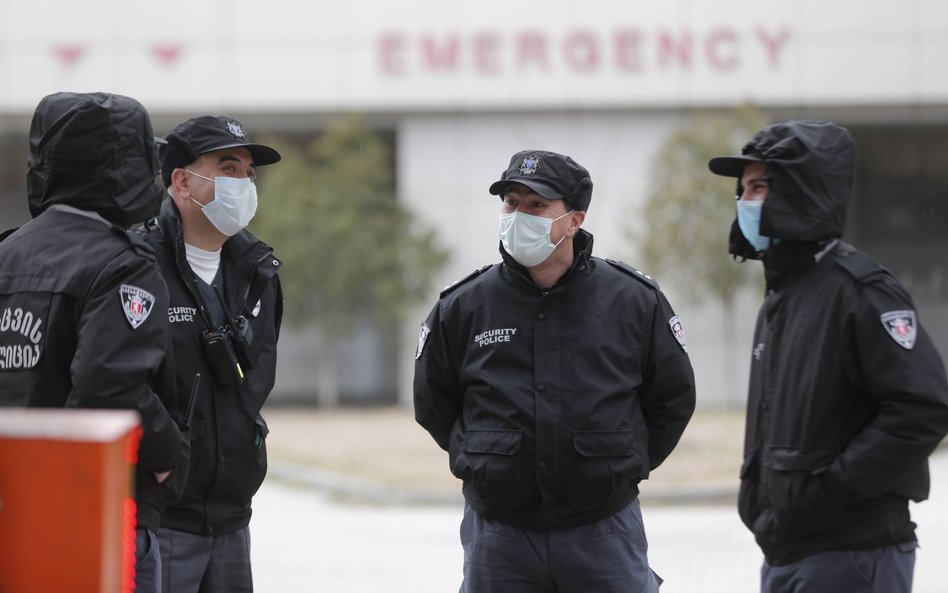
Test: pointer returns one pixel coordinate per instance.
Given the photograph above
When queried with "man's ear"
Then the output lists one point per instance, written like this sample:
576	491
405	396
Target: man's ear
576	220
179	183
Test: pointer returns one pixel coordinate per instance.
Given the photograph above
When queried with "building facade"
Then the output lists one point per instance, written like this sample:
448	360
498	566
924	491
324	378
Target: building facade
462	86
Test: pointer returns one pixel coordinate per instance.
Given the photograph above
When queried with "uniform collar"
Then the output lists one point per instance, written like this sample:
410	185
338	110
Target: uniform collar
788	259
80	212
582	251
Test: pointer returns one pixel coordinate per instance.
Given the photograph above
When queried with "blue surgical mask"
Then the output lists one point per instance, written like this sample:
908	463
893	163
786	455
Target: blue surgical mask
748	219
234	203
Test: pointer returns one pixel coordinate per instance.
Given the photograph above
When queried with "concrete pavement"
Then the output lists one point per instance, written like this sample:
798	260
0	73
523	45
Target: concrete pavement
305	540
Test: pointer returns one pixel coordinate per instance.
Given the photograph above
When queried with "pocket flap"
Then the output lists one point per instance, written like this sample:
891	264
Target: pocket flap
604	443
789	459
496	441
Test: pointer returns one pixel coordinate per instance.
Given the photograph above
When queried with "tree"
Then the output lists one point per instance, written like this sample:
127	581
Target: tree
352	253
687	216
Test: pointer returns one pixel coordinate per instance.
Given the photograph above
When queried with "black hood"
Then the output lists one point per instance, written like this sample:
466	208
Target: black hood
93	151
811	168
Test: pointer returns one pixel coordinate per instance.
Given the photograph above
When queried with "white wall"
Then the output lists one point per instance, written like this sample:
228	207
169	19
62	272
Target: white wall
446	164
321	55
465	81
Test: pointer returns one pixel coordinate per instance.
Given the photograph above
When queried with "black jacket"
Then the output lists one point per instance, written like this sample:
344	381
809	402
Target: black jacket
847	395
81	301
228	433
553	404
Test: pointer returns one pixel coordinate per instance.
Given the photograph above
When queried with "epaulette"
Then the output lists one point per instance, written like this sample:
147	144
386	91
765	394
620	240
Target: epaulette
465	280
860	266
640	276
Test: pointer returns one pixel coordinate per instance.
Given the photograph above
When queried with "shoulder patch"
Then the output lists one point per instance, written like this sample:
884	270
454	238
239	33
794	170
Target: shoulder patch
860	266
640	276
422	339
901	327
678	331
137	304
447	289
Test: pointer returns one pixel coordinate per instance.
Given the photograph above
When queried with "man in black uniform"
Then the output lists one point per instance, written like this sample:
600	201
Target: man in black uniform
81	301
847	395
556	381
225	312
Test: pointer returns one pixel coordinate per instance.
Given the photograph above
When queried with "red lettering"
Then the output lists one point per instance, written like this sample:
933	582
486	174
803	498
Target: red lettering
441	56
672	49
390	57
68	55
485	53
581	52
628	50
773	44
532	50
726	59
166	53
628	46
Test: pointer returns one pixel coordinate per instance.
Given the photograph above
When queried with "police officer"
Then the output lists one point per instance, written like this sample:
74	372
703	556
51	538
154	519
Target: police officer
556	381
847	395
82	321
225	312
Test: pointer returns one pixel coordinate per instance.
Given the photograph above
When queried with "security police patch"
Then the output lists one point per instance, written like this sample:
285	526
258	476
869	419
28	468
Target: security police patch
901	327
137	304
531	165
422	338
678	331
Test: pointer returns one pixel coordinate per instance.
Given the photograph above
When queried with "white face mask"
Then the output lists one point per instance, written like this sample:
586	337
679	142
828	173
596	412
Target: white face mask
234	203
527	237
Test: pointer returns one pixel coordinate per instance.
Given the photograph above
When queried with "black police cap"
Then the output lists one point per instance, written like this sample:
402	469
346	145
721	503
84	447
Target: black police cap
552	175
200	135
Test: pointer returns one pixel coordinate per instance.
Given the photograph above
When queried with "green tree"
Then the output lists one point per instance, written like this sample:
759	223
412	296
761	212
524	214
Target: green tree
351	251
686	216
353	256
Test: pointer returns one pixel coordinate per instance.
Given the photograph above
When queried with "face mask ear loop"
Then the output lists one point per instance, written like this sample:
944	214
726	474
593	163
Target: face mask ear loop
557	244
199	175
200	205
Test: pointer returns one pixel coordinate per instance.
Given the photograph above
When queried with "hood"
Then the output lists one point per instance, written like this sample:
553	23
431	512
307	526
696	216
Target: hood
93	151
810	165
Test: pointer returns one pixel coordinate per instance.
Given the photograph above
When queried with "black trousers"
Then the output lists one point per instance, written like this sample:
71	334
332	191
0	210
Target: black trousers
879	570
609	556
193	563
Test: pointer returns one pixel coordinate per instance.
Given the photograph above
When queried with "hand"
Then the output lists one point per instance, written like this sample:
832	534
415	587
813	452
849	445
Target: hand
162	476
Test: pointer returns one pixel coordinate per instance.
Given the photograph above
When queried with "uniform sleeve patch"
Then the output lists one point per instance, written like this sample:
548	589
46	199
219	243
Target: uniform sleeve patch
137	304
678	331
901	327
422	338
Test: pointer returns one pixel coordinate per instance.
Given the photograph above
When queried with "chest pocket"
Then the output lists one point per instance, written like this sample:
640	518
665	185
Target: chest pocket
23	325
